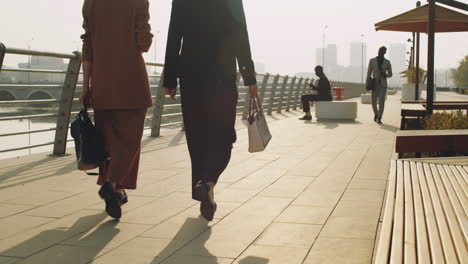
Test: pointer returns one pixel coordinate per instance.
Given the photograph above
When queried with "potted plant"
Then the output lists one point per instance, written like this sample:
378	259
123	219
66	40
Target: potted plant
408	89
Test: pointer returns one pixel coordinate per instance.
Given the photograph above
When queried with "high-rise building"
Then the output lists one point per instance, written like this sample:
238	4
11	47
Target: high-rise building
330	62
358	54
397	57
319	56
358	61
331	56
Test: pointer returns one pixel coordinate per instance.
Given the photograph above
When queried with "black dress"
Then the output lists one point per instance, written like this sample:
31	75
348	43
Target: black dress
205	39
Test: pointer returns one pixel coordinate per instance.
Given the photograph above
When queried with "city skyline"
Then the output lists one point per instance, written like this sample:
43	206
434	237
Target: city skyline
284	45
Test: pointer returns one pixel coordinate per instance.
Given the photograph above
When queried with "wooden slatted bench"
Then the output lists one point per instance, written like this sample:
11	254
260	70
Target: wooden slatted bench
417	109
453	140
425	214
413	111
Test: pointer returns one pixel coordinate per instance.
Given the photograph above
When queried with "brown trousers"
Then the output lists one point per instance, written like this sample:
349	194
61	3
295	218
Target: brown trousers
122	131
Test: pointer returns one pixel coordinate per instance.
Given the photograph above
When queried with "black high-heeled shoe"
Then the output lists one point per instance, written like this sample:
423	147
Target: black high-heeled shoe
123	197
112	200
207	209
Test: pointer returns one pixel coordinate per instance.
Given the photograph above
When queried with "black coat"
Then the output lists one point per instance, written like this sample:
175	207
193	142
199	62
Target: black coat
324	89
205	39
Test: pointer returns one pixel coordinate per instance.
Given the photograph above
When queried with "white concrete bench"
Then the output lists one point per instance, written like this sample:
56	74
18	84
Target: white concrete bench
336	110
366	98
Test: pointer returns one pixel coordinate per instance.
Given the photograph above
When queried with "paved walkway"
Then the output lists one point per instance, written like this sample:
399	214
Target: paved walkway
314	196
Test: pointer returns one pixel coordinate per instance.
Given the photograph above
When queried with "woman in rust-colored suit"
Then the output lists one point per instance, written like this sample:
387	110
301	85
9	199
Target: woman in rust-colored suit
117	32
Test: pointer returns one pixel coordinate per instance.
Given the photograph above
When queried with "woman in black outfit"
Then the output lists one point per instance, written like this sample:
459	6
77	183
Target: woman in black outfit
205	39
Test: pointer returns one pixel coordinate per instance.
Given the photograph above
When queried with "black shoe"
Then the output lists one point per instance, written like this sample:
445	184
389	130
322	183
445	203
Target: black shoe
375	118
306	117
379	121
112	200
207	209
123	197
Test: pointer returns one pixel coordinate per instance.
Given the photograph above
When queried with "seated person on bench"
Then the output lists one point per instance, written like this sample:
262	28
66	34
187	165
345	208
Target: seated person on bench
323	93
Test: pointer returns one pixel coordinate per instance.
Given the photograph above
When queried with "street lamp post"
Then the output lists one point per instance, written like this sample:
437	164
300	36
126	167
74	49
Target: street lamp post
362	58
323	48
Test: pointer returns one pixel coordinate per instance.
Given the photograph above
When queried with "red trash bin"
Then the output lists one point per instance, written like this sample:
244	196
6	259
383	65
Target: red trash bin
338	91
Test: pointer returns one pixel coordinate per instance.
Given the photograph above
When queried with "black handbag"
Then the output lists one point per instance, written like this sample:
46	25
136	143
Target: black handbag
89	143
370	84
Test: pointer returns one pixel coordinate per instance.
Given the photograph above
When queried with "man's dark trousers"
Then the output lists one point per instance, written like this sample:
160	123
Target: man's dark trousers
307	98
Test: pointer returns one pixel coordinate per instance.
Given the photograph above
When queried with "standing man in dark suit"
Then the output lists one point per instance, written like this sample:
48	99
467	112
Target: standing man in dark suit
323	93
205	40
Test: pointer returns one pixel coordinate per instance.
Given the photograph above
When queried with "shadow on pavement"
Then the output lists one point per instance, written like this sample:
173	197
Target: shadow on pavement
199	231
42	245
253	260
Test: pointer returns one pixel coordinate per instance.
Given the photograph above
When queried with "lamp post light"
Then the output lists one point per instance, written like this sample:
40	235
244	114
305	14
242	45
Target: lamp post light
323	48
362	58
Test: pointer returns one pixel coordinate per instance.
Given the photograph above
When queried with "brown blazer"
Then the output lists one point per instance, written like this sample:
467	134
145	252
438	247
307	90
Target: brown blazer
117	32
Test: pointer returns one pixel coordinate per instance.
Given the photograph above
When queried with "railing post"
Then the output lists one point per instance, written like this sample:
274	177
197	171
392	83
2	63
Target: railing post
304	88
68	92
290	92
158	106
272	94
263	88
283	88
245	112
2	54
298	89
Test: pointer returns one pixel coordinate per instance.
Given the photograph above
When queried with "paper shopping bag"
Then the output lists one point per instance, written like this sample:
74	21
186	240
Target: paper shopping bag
259	134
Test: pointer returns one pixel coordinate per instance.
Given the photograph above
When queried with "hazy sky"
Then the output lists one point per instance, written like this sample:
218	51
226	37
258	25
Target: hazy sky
284	33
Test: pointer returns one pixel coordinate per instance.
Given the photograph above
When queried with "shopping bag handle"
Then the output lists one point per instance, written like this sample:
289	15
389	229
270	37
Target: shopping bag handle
255	106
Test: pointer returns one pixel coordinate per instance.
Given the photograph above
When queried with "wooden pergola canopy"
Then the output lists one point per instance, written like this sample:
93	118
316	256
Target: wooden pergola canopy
416	20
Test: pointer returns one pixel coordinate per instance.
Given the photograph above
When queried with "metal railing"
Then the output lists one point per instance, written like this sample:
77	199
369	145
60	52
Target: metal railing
277	93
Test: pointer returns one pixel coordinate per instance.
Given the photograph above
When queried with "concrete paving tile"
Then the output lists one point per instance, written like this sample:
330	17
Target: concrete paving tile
8	260
329	183
369	210
305	215
18	223
40	198
363	184
289	235
159	210
178	259
61	254
363	195
272	255
15	192
133	203
235	195
328	250
236	172
287	186
141	250
180	228
36	239
157	189
107	235
237	231
318	198
260	179
12	209
350	227
375	165
66	206
223	209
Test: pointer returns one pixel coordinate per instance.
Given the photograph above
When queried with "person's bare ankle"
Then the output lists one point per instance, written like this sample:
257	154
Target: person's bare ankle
211	191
